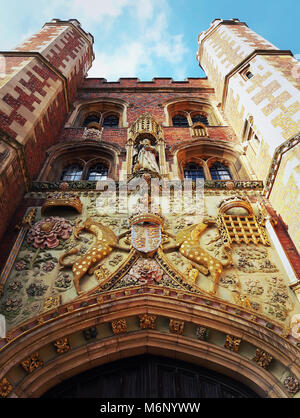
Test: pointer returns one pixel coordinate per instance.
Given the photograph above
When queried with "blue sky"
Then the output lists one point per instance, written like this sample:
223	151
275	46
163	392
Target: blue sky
150	38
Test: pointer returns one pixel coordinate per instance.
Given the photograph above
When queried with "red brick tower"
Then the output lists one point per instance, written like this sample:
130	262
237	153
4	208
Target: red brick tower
39	82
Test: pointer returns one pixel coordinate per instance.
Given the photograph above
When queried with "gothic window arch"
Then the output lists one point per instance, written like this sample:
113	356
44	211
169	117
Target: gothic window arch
110	120
91	118
81	162
72	172
97	171
200	118
180	120
193	171
220	163
194	111
220	171
100	114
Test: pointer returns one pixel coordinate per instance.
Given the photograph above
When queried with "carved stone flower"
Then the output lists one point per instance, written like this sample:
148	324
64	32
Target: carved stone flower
47	232
48	266
292	384
20	265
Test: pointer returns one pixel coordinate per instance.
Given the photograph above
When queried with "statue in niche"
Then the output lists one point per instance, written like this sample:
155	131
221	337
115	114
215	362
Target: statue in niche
144	157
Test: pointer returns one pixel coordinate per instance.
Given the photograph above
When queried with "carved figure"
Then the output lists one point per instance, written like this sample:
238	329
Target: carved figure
146	157
187	242
106	241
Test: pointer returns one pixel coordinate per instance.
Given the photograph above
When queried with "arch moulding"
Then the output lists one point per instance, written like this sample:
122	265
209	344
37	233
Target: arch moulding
132	339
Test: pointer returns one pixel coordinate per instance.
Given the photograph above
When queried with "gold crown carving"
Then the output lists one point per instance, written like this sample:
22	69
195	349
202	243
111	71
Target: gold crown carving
146	217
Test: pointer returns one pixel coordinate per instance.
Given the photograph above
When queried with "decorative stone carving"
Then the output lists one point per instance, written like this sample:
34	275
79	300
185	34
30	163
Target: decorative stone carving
232	343
51	302
92	133
292	384
262	358
5	387
105	242
62	345
202	333
176	326
148	321
47	232
32	363
62	199
90	333
119	326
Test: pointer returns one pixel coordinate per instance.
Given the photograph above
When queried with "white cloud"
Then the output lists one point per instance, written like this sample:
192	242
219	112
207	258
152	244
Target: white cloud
151	46
123	62
99	9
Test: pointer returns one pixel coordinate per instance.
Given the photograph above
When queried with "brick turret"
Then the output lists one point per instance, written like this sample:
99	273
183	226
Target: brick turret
38	82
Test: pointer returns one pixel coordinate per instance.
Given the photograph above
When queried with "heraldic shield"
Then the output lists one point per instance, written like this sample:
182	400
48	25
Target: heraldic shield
146	233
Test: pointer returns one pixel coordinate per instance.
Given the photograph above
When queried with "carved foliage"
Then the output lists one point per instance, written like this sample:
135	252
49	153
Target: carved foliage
262	358
232	343
62	345
119	326
32	363
5	388
148	321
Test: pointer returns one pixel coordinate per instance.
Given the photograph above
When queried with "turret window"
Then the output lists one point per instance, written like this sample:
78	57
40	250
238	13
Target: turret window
111	121
98	172
193	171
90	119
219	171
200	118
73	172
180	121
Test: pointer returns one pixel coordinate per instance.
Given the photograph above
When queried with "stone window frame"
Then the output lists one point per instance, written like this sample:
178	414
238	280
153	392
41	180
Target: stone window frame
86	167
190	107
103	107
62	155
206	162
